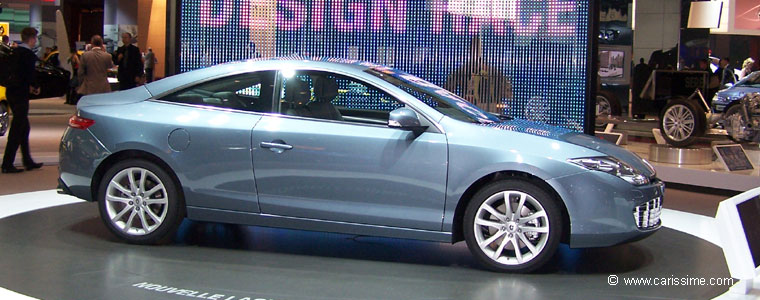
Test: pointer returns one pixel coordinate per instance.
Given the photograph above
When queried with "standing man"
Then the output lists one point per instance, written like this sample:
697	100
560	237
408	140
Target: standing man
150	64
130	63
641	73
18	96
93	69
725	72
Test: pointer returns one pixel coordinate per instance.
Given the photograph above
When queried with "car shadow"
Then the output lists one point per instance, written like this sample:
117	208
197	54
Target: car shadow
617	259
609	260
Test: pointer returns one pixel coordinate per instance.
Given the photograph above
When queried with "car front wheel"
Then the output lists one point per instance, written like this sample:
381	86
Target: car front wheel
512	226
139	202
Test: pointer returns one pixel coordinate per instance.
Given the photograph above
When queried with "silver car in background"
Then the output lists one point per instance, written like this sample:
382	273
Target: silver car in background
350	147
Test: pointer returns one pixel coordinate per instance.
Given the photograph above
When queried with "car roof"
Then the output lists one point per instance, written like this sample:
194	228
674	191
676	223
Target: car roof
188	78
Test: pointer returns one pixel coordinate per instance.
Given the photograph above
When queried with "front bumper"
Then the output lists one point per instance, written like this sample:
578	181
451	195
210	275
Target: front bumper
605	210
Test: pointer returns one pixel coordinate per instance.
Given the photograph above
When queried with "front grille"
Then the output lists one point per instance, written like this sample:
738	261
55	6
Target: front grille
647	215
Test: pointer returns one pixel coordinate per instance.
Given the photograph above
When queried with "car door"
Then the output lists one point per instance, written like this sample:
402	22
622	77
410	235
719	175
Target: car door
329	155
209	136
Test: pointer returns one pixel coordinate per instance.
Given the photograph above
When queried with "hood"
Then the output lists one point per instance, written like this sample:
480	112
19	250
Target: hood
736	92
578	139
532	128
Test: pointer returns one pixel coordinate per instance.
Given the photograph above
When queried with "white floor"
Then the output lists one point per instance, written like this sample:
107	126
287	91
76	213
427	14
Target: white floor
696	225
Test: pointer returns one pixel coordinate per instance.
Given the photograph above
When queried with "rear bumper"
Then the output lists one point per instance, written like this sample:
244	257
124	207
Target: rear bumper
80	153
63	189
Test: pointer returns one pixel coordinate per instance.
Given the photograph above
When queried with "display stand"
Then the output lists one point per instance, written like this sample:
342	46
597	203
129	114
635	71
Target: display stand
740	237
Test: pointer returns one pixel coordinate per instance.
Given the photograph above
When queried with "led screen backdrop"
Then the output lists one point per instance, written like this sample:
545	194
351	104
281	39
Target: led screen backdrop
524	58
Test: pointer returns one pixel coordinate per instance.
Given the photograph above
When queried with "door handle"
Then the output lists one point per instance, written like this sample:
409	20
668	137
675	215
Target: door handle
277	146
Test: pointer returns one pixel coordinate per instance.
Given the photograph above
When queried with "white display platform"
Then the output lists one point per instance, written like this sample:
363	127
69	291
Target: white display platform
712	175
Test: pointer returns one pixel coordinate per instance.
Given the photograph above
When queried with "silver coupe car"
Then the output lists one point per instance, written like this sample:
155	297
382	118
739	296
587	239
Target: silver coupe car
350	147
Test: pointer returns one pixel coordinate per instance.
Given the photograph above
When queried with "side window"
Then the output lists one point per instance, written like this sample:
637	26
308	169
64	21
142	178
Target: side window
246	92
329	96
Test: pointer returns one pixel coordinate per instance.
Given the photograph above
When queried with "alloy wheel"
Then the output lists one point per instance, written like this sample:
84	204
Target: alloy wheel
678	122
136	201
5	117
603	107
511	227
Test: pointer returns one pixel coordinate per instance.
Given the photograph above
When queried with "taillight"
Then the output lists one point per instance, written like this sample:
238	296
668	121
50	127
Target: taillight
79	122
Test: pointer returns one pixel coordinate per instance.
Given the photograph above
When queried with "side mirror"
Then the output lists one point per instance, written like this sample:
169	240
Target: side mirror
405	119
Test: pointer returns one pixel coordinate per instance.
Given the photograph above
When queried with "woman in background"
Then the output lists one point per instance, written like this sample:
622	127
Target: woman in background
746	68
71	95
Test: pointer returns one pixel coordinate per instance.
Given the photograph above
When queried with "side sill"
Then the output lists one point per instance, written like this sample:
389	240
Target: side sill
257	219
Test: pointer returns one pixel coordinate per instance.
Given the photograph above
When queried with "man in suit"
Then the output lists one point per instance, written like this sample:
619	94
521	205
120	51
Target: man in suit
725	72
93	69
130	63
641	73
18	96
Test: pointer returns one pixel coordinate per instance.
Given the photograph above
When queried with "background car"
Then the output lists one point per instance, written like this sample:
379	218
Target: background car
729	106
350	147
53	82
726	98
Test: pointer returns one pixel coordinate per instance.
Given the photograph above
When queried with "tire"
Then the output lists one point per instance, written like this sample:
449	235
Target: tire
606	105
484	208
735	123
682	121
125	215
611	102
5	118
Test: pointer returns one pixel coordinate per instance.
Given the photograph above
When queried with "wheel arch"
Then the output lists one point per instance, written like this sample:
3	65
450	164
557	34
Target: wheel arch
129	154
731	105
457	231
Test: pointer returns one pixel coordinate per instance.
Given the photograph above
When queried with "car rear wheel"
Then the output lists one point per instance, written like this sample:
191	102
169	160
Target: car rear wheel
5	118
139	202
512	226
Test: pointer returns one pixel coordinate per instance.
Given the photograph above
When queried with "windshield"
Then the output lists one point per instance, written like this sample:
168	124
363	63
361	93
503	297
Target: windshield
752	80
434	96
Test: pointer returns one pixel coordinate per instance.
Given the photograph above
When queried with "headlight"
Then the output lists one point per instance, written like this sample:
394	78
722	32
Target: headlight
650	167
611	165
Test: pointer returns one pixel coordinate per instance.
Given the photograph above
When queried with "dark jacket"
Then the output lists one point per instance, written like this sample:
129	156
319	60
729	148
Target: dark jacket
26	74
726	75
131	64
